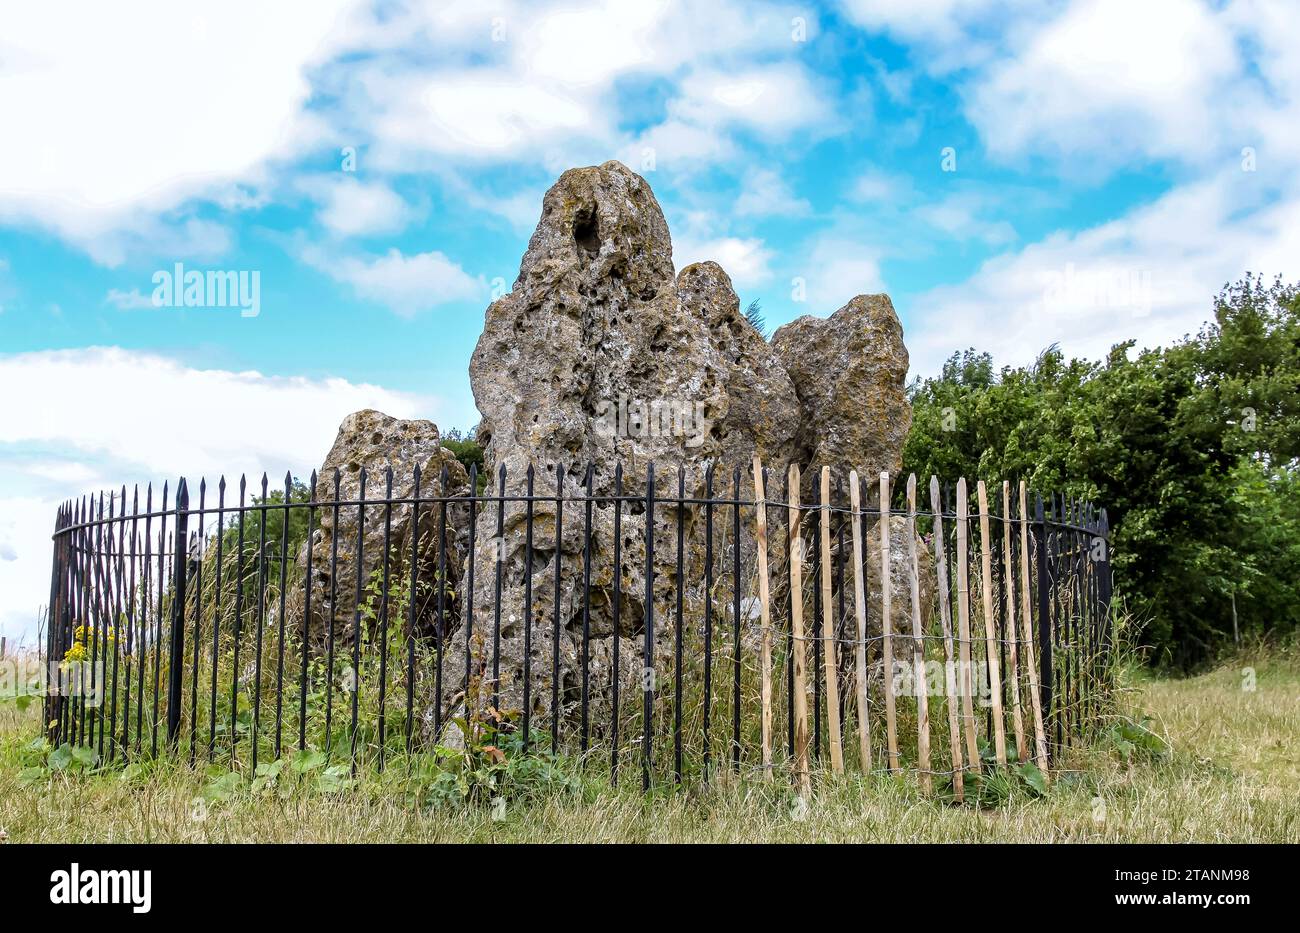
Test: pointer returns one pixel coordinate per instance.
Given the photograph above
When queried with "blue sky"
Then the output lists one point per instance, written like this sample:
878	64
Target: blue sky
1013	174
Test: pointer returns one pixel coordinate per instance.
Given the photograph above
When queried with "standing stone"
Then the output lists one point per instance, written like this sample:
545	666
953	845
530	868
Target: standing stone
600	355
373	441
850	371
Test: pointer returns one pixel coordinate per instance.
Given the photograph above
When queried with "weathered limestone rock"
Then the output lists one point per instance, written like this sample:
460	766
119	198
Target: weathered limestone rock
599	351
850	371
374	442
600	355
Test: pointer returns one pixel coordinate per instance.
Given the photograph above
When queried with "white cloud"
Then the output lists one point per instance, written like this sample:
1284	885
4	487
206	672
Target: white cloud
142	236
1272	32
128	301
1115	80
26	523
522	210
406	284
746	260
480	112
113	123
963	216
675	144
589	46
837	269
764	193
548	91
1150	275
876	186
115	416
948	34
1096	85
63	472
414	87
773	100
350	207
214	419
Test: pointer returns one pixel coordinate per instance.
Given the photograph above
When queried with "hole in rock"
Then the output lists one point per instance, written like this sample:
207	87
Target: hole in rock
586	230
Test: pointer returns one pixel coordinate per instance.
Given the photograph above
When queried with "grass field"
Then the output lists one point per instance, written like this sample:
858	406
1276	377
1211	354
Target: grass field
1232	774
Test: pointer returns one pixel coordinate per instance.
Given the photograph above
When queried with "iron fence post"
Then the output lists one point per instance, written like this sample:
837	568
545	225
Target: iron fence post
647	659
53	619
1104	586
176	671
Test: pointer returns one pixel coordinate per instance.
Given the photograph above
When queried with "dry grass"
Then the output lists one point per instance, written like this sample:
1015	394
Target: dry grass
1233	775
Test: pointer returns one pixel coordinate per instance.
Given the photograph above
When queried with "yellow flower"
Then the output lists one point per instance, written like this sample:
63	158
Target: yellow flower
85	634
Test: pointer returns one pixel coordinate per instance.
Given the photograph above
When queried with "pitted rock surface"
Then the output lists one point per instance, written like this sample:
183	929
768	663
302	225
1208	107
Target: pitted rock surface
600	355
376	442
850	372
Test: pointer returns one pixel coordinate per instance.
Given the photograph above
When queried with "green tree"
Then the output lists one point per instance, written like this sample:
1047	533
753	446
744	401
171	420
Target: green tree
261	510
1251	360
1191	448
467	451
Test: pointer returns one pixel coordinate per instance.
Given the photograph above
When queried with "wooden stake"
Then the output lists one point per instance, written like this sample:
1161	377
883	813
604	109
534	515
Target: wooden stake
828	630
945	615
1009	581
860	608
992	656
918	651
765	654
797	639
963	628
886	625
1027	634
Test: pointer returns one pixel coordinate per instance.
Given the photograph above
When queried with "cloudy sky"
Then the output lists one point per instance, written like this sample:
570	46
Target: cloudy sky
1012	173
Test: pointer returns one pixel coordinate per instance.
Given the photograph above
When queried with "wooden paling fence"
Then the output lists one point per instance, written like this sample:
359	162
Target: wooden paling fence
868	624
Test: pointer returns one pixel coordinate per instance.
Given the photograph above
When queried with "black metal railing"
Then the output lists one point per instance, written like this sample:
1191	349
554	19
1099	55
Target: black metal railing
370	627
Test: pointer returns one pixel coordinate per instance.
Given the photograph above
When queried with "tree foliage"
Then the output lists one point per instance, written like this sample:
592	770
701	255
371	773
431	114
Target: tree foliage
252	560
467	450
1194	449
754	314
